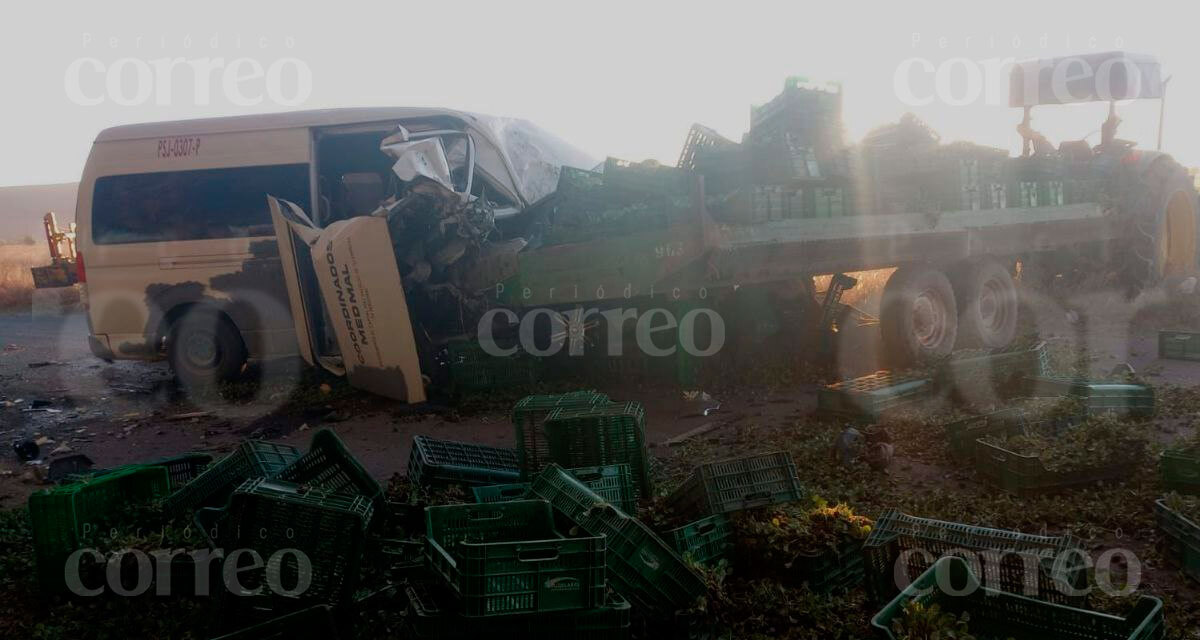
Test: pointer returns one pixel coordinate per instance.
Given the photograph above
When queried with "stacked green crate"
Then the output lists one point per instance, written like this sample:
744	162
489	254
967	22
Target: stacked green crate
528	416
610	433
434	462
472	368
328	465
252	459
741	483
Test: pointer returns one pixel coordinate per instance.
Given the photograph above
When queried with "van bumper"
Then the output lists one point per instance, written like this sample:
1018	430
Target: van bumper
100	348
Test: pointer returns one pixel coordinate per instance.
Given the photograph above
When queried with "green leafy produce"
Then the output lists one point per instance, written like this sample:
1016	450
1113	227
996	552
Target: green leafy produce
1185	505
920	622
1099	441
782	534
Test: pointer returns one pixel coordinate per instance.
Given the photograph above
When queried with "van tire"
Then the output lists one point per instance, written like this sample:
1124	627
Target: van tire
205	349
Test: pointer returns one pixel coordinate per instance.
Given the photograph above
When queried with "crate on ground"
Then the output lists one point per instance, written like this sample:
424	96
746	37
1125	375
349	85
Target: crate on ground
1180	468
434	615
500	492
329	466
507	558
613	482
1058	557
610	433
1134	400
58	516
441	462
705	541
961	434
868	397
641	567
313	623
1179	345
1025	475
1181	539
474	369
740	483
998	614
252	459
1006	370
533	452
832	570
269	516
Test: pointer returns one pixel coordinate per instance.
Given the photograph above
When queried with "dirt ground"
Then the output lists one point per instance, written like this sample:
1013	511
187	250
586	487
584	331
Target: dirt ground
118	413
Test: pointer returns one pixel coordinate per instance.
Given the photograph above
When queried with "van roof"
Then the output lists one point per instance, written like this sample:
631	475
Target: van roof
266	121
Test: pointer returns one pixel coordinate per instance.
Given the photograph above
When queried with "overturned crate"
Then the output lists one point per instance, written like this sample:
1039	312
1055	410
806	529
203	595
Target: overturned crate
741	483
1003	554
1133	400
1025	475
330	466
1179	345
867	398
434	462
252	459
641	567
528	416
507	558
605	434
1006	371
961	434
704	541
997	613
1180	468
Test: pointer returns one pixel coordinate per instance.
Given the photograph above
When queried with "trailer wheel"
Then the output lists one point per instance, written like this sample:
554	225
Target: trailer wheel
204	348
918	316
1165	221
987	305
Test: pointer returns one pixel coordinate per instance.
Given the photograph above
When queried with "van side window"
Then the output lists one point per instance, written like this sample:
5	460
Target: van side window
193	205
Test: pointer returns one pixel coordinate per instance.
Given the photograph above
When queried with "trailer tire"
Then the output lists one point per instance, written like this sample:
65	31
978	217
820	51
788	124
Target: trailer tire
918	316
204	348
987	305
1164	208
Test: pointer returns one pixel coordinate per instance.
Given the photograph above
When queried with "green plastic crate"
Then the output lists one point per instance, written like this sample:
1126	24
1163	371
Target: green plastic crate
252	459
1134	400
507	558
1179	345
1025	475
473	369
1006	370
500	492
435	462
1181	539
962	434
329	466
833	570
613	482
533	452
997	614
181	469
613	433
641	566
60	518
268	516
433	615
705	541
313	623
1058	557
867	398
734	485
1180	469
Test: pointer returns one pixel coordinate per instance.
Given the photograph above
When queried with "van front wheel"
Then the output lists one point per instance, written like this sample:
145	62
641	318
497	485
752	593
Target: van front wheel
204	348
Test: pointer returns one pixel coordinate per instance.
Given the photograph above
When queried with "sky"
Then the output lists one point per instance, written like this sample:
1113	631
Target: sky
614	78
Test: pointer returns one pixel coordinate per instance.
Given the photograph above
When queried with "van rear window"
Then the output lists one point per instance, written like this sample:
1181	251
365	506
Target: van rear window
193	205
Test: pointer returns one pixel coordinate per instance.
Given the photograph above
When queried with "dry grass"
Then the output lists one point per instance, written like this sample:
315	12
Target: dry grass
16	284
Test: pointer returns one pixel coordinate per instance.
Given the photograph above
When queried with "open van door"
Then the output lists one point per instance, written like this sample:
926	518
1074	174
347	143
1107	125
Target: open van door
353	263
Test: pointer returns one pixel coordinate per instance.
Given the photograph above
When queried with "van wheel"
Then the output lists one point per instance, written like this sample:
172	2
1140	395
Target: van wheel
918	316
987	305
204	349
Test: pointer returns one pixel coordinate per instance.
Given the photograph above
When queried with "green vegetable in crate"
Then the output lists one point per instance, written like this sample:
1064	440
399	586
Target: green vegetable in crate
920	622
783	534
1102	440
1184	505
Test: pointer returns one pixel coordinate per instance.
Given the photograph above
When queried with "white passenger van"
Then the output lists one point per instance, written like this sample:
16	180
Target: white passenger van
177	249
